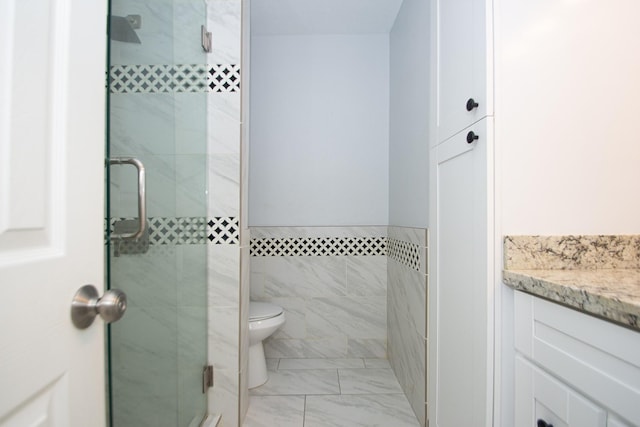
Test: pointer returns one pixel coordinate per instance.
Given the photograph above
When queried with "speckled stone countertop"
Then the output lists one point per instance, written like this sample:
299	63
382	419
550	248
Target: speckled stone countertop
599	275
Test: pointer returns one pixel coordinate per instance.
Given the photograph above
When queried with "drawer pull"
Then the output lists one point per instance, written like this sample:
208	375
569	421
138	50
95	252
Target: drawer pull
471	104
543	423
471	136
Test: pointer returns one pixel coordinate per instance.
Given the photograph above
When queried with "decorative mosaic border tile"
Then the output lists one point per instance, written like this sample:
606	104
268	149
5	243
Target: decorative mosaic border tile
223	230
404	252
571	252
319	246
186	231
174	78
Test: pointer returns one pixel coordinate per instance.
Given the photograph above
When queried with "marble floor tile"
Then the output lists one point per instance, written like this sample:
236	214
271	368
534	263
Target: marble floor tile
368	381
320	363
377	363
314	381
359	411
271	411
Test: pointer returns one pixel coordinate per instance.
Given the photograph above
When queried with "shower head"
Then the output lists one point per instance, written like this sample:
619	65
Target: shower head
121	29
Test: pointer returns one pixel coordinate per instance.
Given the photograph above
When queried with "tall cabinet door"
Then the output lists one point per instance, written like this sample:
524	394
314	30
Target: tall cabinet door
461	72
460	304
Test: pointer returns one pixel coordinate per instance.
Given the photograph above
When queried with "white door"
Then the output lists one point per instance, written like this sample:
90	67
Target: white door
460	301
52	74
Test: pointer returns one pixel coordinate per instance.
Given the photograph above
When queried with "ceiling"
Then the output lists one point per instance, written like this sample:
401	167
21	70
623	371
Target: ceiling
271	17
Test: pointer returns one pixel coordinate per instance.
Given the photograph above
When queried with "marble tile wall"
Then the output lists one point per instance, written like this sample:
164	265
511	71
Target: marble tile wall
406	304
336	304
227	327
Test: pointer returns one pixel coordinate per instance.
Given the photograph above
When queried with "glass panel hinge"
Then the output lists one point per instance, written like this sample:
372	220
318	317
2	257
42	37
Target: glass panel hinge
207	378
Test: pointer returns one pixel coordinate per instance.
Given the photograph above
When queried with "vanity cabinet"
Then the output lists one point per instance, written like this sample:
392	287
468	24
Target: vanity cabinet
573	369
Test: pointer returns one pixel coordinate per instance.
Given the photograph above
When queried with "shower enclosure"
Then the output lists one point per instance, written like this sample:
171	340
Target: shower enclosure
157	131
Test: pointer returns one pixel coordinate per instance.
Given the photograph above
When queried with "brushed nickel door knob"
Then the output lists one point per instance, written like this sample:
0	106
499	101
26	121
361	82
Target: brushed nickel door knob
86	305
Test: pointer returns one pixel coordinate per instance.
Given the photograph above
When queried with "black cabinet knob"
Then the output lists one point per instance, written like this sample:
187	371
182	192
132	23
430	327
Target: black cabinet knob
471	136
543	423
471	104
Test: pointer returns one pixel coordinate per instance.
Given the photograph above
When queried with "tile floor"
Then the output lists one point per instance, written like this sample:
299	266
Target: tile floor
329	393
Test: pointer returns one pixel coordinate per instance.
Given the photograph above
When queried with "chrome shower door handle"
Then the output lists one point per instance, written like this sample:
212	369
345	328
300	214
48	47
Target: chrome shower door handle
142	197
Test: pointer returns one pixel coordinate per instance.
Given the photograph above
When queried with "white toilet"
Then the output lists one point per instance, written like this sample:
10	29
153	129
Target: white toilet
264	320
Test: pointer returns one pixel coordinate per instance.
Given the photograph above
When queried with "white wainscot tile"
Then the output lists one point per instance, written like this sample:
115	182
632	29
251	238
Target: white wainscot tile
295	323
223	122
313	348
244	394
192	356
224	185
156	34
284	232
145	392
223	398
407	290
407	356
257	286
361	317
367	275
188	16
192	275
304	276
359	411
313	381
161	187
224	275
224	338
368	381
417	236
148	279
377	363
367	347
224	22
190	114
141	123
320	363
191	195
192	338
270	411
272	364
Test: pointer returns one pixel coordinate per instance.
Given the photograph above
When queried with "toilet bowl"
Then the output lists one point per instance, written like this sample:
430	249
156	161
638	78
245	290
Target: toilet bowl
264	320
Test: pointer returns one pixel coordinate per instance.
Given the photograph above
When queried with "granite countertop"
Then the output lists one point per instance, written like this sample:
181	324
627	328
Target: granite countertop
598	275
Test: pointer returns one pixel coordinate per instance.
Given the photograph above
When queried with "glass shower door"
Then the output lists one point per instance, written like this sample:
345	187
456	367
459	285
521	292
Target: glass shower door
157	105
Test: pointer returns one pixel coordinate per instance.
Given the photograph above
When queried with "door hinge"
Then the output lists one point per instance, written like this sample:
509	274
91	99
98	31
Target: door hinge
206	39
207	378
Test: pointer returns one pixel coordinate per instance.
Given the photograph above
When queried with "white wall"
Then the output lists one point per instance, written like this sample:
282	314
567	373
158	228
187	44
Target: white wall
409	116
566	116
319	130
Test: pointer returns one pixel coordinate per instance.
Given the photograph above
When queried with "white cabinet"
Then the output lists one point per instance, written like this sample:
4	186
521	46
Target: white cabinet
459	301
460	391
540	397
573	369
462	74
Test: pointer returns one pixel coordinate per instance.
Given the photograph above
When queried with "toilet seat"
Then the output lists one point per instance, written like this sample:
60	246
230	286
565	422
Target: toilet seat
262	311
